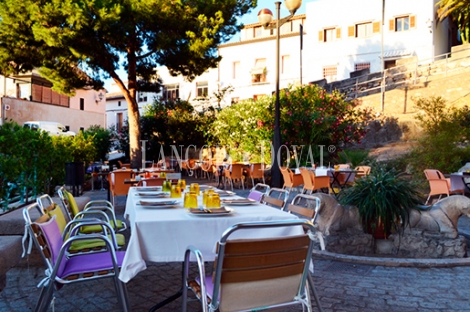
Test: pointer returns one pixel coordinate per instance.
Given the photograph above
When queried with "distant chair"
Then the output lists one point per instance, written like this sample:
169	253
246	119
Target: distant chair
234	174
256	172
314	183
439	185
117	186
258	191
275	197
291	180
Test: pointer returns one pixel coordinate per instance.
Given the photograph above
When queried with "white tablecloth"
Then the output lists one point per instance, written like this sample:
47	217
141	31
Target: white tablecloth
162	235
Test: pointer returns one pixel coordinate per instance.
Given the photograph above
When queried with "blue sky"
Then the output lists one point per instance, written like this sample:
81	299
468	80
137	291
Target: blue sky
250	18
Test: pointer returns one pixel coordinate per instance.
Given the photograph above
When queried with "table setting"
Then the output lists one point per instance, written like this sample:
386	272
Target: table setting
162	228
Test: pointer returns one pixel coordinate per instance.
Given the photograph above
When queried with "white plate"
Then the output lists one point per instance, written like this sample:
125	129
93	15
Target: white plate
158	205
225	193
154	195
148	188
239	202
211	214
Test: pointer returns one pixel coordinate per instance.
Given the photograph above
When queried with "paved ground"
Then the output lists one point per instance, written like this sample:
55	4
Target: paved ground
341	286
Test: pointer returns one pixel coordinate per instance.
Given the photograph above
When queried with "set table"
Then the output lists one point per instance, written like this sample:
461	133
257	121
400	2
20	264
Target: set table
163	234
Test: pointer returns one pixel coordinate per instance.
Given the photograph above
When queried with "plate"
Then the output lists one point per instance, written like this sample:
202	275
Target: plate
225	193
214	212
154	195
161	204
148	188
239	202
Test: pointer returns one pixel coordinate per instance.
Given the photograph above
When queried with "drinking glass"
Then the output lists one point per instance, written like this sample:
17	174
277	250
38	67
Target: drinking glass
194	187
213	201
166	187
205	194
182	184
175	191
190	200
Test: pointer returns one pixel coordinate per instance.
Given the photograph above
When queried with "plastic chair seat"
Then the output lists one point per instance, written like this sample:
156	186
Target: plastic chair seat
97	228
89	263
83	245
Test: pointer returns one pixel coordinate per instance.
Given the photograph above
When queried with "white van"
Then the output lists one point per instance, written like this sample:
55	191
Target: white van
52	127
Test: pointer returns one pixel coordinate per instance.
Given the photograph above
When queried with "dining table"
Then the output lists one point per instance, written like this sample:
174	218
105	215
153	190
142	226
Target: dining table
347	176
161	233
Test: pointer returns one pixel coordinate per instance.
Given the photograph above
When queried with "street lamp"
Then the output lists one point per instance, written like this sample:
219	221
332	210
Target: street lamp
265	16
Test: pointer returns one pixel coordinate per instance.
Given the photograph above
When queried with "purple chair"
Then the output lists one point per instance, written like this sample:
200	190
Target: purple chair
257	192
64	268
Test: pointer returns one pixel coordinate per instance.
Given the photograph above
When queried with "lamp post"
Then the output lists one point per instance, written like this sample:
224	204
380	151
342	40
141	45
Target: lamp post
265	17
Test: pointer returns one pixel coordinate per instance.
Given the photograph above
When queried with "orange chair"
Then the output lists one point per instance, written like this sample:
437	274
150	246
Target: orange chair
291	180
313	183
234	173
362	171
116	183
439	185
256	172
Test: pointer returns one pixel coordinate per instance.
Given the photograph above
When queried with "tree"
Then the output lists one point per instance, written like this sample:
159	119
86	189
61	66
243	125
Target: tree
458	11
78	43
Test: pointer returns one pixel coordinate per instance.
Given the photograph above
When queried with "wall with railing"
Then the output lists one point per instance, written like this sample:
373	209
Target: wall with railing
408	72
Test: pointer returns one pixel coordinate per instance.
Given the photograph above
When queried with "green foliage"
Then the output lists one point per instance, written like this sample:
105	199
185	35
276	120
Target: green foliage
383	196
34	161
355	157
309	117
445	128
245	127
458	11
174	123
101	140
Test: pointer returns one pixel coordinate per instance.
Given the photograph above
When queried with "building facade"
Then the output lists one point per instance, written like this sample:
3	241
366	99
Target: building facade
338	37
356	37
30	97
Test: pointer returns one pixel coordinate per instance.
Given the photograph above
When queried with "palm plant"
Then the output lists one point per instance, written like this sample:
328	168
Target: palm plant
459	11
383	200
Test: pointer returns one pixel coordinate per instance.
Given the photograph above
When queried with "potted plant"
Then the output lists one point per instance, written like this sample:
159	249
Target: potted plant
383	200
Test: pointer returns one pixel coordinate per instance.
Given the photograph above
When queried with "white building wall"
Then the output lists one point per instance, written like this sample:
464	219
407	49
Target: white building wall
345	51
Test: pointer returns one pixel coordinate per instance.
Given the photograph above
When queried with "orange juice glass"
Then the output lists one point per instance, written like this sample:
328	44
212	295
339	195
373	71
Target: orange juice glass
175	191
194	187
190	200
213	201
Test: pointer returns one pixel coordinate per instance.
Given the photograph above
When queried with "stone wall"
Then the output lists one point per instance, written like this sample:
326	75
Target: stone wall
419	244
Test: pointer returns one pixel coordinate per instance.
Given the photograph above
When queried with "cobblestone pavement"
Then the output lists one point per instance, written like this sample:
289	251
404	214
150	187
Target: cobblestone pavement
341	286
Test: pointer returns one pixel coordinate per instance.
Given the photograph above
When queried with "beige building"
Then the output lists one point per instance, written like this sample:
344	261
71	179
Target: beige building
30	98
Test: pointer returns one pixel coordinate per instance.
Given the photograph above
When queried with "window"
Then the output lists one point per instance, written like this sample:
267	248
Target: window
329	73
171	92
202	89
258	73
363	30
402	23
118	121
285	64
119	103
82	104
236	70
329	34
142	97
360	66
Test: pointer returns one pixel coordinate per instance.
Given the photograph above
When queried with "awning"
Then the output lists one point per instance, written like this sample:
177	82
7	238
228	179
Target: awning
397	53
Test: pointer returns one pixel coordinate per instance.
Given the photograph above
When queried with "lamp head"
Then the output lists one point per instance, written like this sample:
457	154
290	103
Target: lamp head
265	16
292	5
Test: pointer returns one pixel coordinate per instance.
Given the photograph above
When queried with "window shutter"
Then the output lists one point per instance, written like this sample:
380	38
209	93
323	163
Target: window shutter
376	27
412	21
351	31
320	35
338	33
392	25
